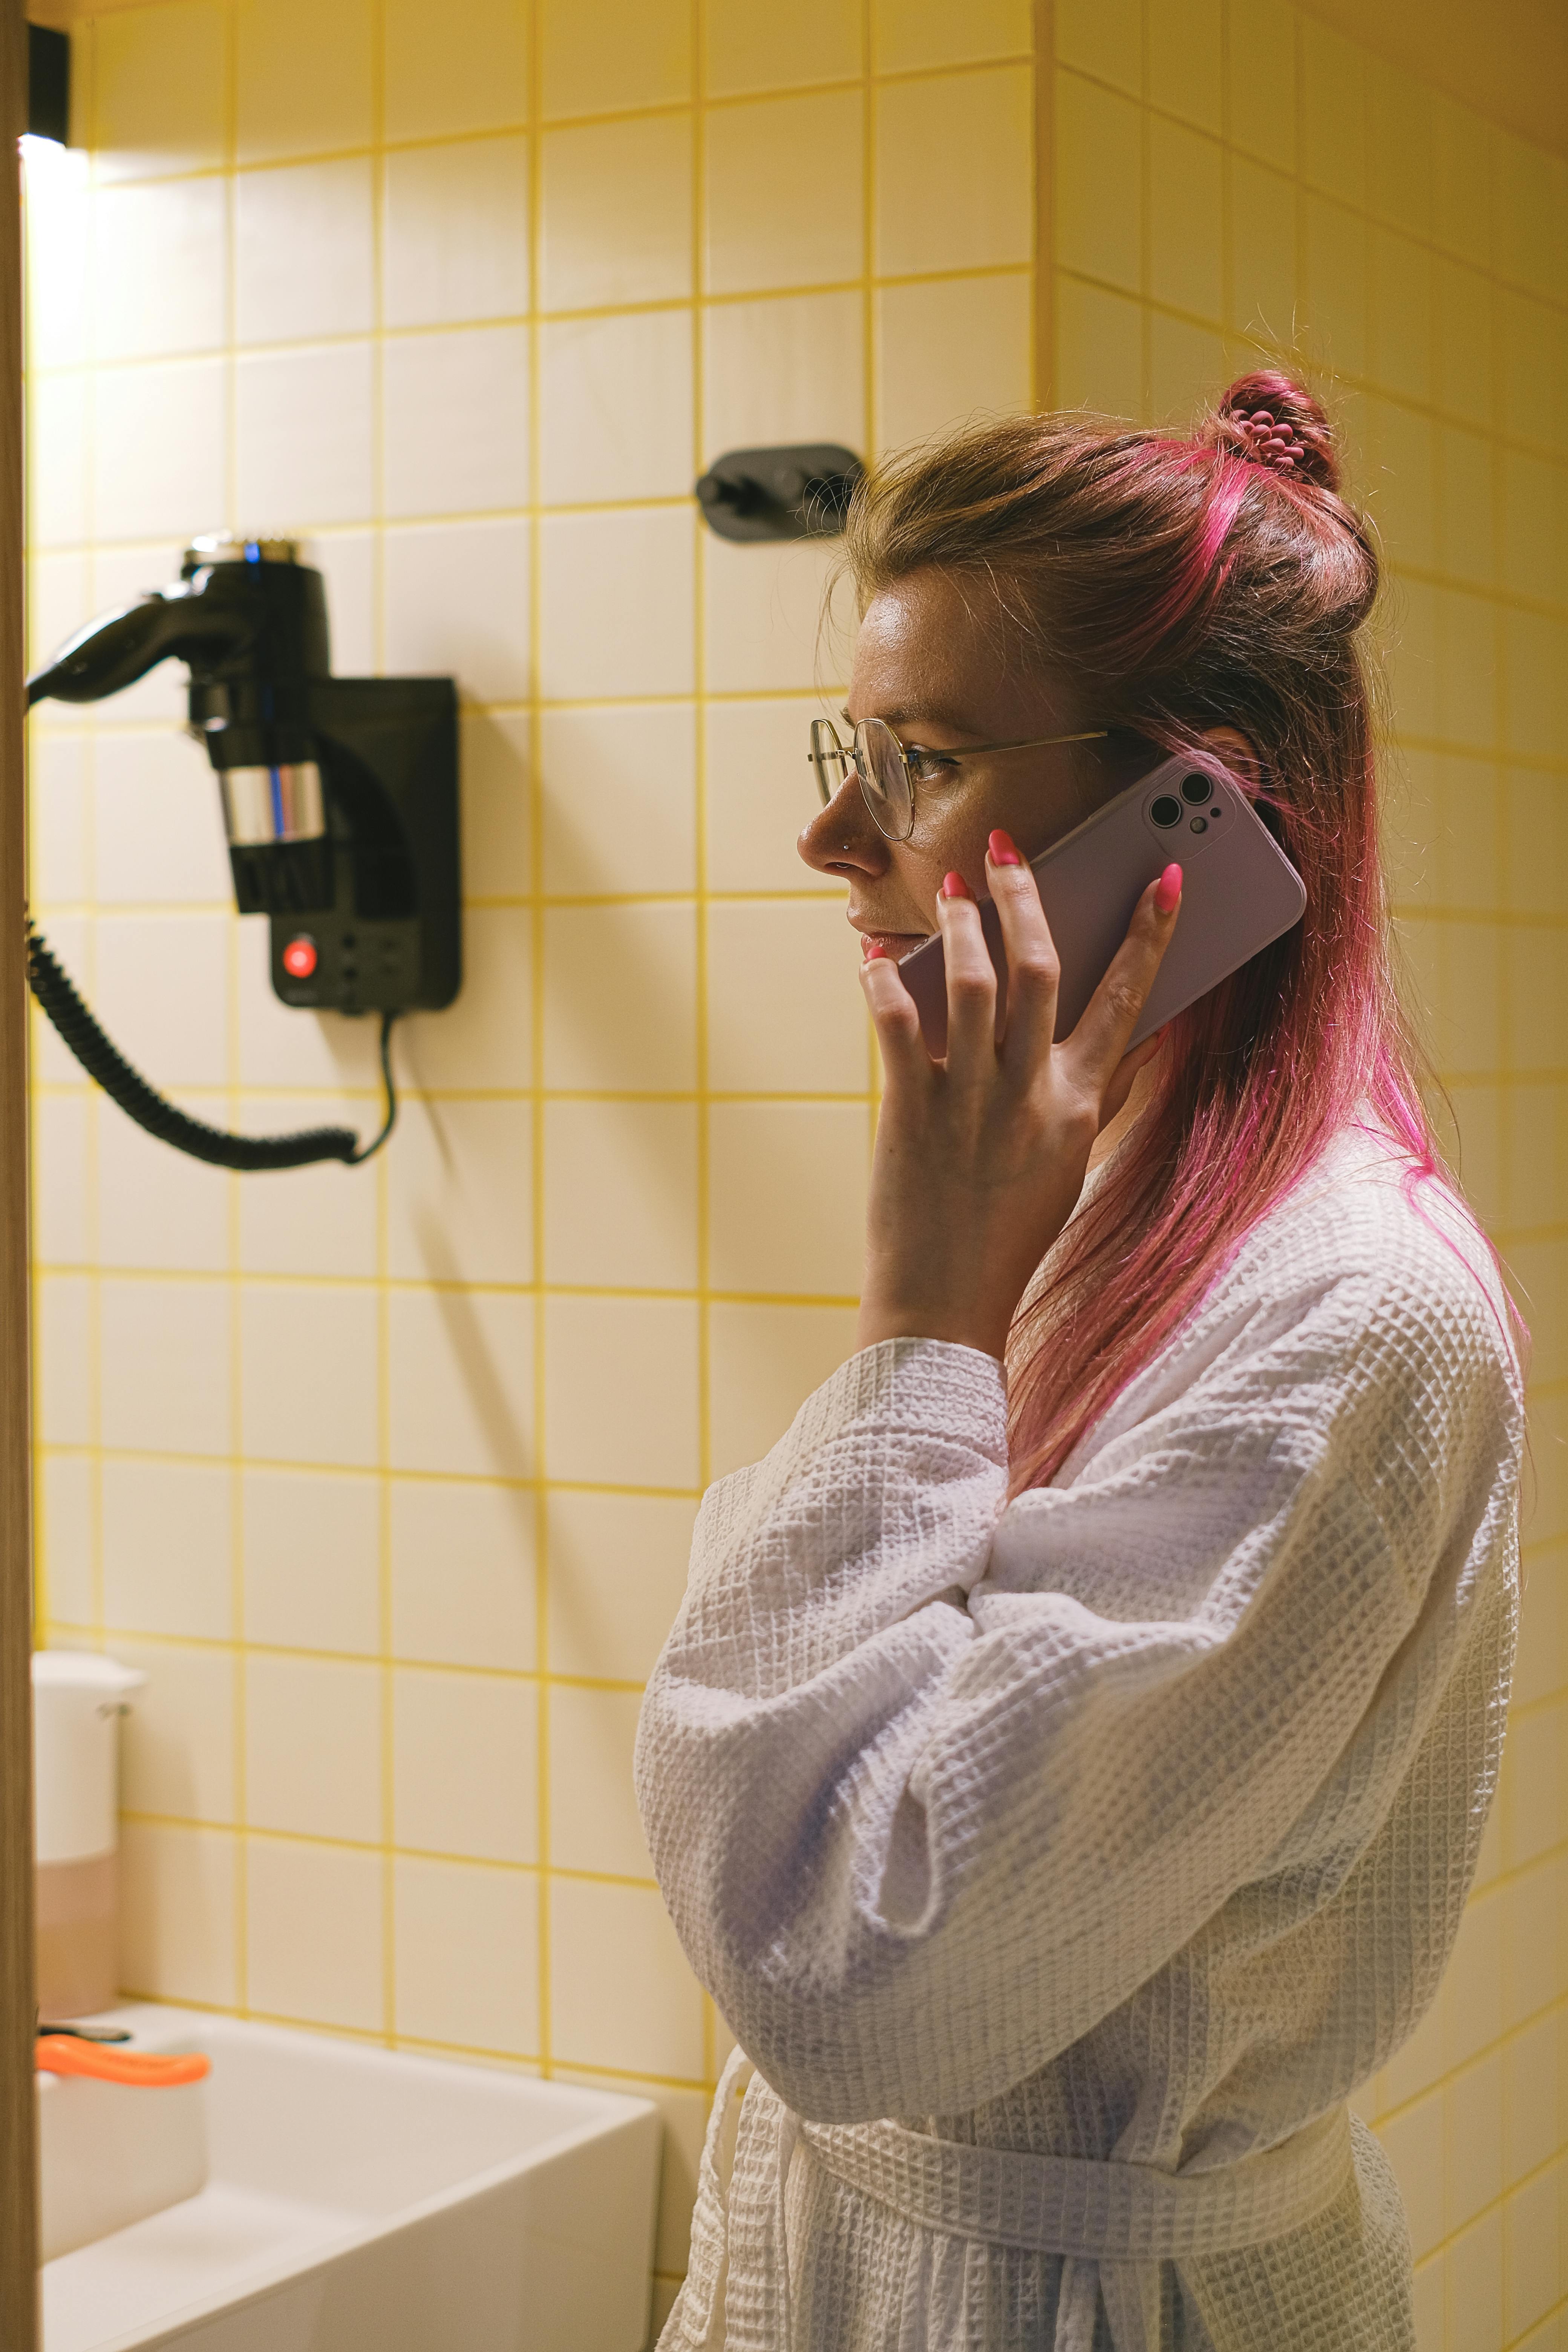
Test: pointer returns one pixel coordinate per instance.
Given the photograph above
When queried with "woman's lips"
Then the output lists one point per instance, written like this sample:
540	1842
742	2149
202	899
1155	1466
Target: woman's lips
891	943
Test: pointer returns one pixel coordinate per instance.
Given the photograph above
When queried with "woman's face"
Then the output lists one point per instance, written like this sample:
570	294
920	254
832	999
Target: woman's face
933	662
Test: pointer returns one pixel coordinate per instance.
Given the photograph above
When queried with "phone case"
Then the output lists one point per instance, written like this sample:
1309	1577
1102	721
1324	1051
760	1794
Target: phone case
1239	891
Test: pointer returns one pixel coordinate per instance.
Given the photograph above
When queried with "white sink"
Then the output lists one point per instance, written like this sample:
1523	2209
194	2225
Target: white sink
352	2198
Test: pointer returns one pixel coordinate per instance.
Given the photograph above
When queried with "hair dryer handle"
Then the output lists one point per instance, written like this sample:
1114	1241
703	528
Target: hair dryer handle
116	650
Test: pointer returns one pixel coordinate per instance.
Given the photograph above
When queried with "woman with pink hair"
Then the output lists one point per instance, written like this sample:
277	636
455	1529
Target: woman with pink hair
1069	1762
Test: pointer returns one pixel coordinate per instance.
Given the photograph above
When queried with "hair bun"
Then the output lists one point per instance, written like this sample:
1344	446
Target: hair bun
1270	419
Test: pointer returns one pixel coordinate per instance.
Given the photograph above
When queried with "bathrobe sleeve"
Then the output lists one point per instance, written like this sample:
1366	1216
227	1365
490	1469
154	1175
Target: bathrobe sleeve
933	1782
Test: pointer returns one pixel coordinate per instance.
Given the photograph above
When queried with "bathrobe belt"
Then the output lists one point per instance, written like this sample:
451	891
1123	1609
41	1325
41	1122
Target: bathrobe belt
1113	2224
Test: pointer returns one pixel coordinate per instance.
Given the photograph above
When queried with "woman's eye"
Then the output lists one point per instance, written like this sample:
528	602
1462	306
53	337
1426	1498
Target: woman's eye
927	766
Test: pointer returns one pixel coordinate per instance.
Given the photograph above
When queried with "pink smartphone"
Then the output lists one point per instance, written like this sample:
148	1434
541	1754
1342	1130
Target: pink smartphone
1239	891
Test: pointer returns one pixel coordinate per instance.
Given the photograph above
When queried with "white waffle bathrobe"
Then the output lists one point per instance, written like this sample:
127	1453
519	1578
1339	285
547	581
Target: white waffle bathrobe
1055	1861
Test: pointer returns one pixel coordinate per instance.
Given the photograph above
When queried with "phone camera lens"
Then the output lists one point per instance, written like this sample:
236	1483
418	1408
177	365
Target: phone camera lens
1195	789
1199	824
1166	809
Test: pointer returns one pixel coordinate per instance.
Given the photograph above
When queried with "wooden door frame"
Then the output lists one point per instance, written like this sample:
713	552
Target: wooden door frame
18	2193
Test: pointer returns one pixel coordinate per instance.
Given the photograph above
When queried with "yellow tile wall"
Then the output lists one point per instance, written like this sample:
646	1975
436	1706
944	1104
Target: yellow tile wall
387	1477
1237	181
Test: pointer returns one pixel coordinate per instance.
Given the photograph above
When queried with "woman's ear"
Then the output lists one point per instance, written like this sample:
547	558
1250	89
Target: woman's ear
1229	745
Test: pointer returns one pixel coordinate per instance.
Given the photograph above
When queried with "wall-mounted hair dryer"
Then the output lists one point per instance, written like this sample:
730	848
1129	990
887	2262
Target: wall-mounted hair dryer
339	802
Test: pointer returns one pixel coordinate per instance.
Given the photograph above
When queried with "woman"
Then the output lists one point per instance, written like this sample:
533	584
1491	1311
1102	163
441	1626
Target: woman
1069	1762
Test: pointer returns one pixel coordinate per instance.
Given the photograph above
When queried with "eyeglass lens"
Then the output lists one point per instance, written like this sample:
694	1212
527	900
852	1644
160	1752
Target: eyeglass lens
878	761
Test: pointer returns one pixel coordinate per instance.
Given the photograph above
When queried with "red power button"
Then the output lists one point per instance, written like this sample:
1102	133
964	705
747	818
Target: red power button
300	958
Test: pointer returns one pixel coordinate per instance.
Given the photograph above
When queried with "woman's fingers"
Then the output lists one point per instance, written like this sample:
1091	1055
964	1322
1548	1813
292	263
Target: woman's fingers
897	1023
1099	1043
970	980
1034	971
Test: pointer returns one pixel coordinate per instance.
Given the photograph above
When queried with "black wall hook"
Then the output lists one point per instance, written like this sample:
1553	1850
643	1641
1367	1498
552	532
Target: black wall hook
797	493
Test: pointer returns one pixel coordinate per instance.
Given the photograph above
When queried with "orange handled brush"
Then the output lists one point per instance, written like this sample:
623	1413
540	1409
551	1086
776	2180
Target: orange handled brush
64	2053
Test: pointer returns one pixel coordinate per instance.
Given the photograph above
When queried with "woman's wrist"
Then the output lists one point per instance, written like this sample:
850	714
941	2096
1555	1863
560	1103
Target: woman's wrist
882	1320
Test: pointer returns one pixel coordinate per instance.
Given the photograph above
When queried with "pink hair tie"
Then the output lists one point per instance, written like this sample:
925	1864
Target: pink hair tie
1269	443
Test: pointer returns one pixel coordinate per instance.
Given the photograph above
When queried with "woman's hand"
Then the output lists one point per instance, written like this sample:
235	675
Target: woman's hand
981	1157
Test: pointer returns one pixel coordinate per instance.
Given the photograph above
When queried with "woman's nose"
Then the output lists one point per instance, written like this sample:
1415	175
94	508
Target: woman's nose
841	838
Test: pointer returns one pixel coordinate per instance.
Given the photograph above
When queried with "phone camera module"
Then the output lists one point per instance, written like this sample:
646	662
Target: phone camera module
1199	824
1166	811
1196	790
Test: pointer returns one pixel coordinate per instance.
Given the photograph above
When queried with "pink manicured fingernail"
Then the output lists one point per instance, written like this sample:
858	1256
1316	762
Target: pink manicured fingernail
1002	850
1168	889
954	886
872	950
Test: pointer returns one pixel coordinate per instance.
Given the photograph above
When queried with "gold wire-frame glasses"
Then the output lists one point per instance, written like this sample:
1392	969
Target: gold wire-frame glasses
888	772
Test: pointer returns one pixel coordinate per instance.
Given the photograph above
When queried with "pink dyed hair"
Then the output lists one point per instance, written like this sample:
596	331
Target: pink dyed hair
1170	586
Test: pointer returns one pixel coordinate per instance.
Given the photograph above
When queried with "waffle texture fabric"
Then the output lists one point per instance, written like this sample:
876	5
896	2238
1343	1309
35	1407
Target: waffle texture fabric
1121	1830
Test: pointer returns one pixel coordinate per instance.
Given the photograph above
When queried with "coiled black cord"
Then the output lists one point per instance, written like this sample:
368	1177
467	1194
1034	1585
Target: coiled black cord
103	1062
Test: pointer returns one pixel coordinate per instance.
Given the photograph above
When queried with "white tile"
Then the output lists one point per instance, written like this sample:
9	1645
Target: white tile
178	1914
157	822
764	618
594	1822
63	1346
461	1383
168	1549
616	225
321	1219
465	1765
621	1994
620	799
59	601
789	368
459	1193
313	1747
313	1922
809	1033
164	1353
157	1207
485	1037
787	1187
311	1560
624	53
497	815
463	1574
760	792
61	1202
303	77
617	1572
1412	2142
621	1395
468	1956
160	990
784	192
764	1362
160	267
56	426
456	233
454	421
57	830
176	1743
620	1195
620	998
456	71
616	598
159	442
308	1374
458	603
304	437
615	408
950	352
304	242
66	1502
